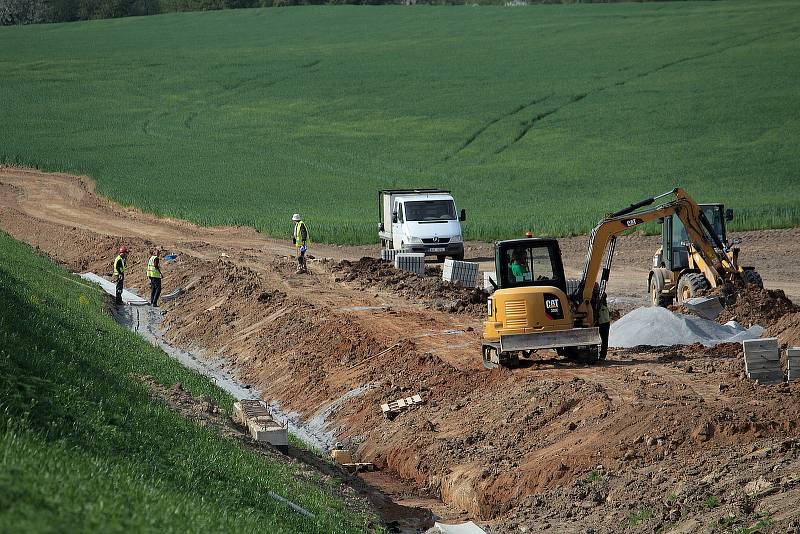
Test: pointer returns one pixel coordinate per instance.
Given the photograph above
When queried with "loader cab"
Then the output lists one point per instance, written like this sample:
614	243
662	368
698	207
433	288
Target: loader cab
674	238
529	262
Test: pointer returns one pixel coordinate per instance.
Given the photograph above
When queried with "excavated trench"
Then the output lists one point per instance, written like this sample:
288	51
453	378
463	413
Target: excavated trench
314	432
519	447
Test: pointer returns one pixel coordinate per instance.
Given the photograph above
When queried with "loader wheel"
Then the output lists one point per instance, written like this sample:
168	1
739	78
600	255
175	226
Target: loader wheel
657	298
751	276
690	285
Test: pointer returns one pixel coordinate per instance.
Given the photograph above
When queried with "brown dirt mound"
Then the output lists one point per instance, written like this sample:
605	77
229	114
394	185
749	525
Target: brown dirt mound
431	289
787	330
755	305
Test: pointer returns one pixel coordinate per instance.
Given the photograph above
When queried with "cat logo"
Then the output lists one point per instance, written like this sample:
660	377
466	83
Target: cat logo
552	307
630	223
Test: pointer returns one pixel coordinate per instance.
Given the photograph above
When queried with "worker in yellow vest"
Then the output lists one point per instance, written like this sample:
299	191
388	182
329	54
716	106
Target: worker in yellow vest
300	241
119	271
154	274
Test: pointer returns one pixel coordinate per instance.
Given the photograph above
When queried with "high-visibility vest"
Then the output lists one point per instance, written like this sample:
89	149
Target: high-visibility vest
298	234
119	264
152	272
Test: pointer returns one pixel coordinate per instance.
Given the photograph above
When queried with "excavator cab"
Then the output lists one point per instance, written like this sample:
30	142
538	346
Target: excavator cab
530	309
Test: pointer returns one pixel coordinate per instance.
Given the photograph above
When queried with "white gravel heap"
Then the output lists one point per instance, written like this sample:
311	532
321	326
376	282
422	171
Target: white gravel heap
658	326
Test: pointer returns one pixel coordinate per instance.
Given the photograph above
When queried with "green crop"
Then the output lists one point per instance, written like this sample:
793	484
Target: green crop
539	117
83	446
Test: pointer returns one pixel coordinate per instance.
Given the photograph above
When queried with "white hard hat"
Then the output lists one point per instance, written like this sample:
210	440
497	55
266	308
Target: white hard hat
296	217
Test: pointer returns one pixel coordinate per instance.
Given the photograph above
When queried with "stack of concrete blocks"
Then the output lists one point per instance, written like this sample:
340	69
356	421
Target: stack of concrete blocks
256	417
388	254
410	261
487	285
762	360
793	363
465	272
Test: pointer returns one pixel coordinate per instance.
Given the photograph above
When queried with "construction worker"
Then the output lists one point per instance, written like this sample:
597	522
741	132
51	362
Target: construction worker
519	269
154	274
603	324
300	240
119	271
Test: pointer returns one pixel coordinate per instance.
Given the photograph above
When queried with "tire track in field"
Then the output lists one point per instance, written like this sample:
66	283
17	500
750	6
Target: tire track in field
217	99
489	124
528	125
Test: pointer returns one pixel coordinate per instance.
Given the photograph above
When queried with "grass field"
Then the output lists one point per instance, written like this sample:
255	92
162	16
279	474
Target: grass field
83	448
541	117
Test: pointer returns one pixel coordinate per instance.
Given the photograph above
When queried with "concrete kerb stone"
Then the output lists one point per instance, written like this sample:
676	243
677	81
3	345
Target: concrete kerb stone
388	254
762	360
464	272
410	261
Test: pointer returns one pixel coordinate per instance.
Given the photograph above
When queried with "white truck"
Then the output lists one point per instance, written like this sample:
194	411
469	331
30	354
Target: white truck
421	220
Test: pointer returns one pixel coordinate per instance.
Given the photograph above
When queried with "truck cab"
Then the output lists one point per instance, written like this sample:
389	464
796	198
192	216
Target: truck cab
421	220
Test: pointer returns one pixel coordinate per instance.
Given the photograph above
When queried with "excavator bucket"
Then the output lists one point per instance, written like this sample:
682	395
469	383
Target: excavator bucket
550	340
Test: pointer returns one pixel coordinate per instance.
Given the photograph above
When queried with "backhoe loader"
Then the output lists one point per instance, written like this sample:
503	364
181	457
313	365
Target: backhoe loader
677	271
534	307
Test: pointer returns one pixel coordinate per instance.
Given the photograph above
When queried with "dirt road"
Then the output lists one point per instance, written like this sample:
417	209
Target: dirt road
594	443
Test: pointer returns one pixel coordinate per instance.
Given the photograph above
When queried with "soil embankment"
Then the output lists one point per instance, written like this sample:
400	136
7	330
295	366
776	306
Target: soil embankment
676	421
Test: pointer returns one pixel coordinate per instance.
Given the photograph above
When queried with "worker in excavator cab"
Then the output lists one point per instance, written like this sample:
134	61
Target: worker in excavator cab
300	241
519	265
119	271
154	275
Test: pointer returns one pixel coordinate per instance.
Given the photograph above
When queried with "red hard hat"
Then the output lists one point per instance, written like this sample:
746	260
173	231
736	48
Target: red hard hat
123	250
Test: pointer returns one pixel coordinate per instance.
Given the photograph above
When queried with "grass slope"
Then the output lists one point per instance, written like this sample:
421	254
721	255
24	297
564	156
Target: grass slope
84	448
541	117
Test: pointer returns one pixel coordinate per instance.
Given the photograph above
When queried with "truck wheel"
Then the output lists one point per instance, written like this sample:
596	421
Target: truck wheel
690	285
657	298
751	276
458	257
440	258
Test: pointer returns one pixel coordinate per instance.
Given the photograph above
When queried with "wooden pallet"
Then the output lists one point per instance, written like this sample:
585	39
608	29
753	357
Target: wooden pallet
394	407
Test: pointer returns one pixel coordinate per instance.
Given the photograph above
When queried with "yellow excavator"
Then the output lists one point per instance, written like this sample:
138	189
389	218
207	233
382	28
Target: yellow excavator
534	307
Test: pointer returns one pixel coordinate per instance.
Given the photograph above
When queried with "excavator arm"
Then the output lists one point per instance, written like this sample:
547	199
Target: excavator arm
596	268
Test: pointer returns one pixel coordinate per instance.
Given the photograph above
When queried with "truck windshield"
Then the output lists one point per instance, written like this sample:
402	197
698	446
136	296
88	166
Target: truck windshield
430	210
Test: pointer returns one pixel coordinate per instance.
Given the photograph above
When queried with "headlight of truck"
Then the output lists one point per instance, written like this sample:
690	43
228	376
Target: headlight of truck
489	305
413	240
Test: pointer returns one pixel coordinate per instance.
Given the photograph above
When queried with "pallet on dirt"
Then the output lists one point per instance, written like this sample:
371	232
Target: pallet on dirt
465	272
394	407
410	261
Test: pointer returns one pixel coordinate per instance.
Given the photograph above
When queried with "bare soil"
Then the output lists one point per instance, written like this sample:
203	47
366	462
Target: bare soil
514	449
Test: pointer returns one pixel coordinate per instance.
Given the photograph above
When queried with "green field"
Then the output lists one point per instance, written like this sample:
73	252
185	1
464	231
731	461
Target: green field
541	117
83	447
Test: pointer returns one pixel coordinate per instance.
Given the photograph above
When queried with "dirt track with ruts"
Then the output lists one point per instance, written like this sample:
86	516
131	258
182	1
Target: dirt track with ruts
551	444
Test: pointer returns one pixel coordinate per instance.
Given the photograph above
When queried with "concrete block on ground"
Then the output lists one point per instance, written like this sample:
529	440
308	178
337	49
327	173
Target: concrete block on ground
388	254
410	261
465	272
268	430
341	456
793	358
794	374
760	344
767	377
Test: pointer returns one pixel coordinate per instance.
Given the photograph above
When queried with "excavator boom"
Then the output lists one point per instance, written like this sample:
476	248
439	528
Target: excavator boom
600	250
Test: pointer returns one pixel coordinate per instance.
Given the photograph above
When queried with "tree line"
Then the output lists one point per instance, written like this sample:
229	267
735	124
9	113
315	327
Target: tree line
40	11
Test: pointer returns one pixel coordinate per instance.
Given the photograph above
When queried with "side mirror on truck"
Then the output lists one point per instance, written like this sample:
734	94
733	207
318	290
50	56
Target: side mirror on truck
463	216
729	214
394	217
380	227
